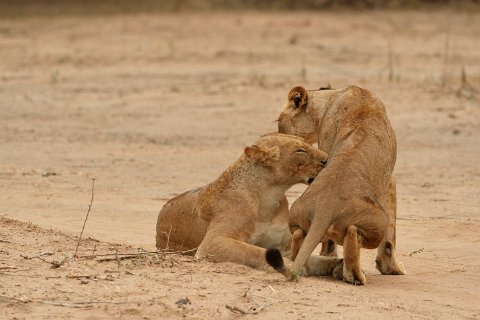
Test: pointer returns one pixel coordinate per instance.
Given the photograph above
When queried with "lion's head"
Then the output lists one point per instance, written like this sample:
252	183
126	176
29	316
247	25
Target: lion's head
300	116
290	159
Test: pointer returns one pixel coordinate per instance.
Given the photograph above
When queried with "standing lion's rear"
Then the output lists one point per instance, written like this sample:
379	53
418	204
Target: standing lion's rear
179	227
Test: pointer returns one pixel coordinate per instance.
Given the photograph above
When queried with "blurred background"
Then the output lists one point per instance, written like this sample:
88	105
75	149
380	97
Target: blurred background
34	7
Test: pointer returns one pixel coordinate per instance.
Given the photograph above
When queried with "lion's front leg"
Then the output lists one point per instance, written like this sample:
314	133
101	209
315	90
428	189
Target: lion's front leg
386	261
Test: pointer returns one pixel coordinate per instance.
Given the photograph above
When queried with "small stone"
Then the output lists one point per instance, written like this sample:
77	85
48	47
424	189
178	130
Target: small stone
183	302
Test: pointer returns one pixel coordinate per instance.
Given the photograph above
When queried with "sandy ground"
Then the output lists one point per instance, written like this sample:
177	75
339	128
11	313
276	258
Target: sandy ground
156	104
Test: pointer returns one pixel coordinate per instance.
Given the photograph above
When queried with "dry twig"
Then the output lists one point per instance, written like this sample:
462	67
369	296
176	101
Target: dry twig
107	277
251	310
86	217
79	304
445	75
123	256
54	263
38	256
8	268
118	260
416	252
466	89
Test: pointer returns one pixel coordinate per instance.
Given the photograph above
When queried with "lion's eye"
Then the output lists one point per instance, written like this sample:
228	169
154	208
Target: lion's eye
301	150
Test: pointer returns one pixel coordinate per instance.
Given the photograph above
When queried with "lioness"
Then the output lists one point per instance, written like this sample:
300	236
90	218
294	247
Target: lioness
352	202
245	210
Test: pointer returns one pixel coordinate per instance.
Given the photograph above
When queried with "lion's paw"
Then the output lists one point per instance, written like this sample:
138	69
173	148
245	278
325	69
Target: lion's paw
355	278
389	265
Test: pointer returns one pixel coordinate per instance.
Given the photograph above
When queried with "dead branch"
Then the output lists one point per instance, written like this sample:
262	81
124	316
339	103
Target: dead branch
79	304
8	268
53	263
445	75
64	304
118	258
63	291
416	252
236	309
107	277
80	277
38	256
21	275
466	89
273	290
86	217
122	256
251	297
251	310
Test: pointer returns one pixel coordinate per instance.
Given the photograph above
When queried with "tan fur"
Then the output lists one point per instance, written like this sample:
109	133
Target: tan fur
243	212
353	200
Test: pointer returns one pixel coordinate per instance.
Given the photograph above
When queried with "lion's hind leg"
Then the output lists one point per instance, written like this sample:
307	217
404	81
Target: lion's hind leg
329	249
352	273
297	239
386	261
221	248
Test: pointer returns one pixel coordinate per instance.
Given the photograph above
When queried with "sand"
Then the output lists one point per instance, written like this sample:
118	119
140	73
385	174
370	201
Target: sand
152	105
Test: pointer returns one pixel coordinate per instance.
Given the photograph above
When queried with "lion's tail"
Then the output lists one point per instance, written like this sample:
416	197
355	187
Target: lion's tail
274	258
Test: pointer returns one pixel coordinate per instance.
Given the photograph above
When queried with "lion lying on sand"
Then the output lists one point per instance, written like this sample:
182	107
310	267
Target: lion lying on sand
352	202
245	210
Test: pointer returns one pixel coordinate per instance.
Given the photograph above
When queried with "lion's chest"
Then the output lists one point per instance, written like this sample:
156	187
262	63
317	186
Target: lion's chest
271	225
269	235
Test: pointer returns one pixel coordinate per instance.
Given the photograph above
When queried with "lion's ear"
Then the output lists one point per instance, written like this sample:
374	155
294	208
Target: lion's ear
262	156
298	97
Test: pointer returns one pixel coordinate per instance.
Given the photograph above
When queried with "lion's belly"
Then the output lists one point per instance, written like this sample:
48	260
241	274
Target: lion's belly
268	235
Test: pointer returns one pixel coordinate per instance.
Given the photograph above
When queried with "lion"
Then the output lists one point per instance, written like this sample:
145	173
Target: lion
244	211
352	202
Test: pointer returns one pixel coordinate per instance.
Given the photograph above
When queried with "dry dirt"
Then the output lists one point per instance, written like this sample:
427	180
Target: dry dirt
156	104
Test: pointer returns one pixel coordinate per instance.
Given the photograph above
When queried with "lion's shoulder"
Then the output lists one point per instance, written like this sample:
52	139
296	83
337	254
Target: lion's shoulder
221	192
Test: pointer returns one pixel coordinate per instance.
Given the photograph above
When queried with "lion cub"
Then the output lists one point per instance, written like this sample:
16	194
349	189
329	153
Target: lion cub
245	210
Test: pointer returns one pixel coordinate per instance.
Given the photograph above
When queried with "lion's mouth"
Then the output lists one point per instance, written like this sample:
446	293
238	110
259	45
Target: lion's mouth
310	180
324	163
